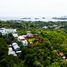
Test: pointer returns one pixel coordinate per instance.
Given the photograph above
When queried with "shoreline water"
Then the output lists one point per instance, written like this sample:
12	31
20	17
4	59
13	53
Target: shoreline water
30	19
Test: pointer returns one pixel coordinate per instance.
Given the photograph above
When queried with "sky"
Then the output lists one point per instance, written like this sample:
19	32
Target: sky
28	8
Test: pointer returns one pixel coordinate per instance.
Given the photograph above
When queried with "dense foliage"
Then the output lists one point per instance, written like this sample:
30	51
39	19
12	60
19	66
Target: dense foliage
43	54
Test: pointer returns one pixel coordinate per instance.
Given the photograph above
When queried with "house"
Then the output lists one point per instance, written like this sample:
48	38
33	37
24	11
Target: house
25	36
61	54
16	48
10	51
20	38
45	27
15	35
25	42
7	31
3	31
29	38
64	57
29	34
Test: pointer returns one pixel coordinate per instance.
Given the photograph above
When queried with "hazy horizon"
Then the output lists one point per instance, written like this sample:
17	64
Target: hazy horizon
33	8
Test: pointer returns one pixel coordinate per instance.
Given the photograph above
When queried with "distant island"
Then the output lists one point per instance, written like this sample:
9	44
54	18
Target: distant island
60	18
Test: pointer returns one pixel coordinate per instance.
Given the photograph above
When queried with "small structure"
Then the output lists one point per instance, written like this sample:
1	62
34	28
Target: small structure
25	43
16	48
29	38
29	34
45	27
23	40
25	36
62	55
20	38
10	51
7	31
15	35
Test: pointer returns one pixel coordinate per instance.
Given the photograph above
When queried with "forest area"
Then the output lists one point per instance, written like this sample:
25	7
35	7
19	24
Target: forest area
48	49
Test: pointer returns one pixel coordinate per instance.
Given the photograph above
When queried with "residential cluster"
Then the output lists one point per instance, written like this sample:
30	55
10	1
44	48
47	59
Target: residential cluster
14	48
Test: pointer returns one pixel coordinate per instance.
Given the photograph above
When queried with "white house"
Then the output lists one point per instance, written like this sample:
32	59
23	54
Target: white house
25	42
16	48
10	51
7	31
15	35
29	34
45	27
3	31
20	38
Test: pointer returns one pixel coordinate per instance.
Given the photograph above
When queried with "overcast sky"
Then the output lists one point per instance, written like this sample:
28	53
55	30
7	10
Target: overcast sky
46	8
